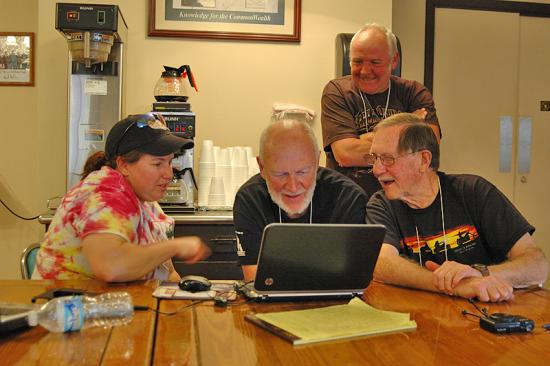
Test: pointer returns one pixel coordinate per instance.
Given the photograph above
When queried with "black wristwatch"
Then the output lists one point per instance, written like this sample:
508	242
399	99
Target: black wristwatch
482	268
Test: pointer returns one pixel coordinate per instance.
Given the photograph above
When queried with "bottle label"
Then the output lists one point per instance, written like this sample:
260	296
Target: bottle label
72	313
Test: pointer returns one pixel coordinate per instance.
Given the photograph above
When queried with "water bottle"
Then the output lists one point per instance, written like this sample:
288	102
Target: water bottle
72	313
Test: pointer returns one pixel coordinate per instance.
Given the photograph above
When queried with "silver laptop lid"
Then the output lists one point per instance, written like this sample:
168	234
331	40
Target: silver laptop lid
317	259
13	316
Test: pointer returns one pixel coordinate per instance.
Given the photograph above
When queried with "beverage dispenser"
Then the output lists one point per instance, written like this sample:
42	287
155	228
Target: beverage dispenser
96	37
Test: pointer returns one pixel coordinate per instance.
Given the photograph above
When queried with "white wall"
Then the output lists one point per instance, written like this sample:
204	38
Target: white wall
238	81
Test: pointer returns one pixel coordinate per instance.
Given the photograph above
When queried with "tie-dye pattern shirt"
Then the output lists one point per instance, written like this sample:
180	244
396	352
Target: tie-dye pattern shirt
104	202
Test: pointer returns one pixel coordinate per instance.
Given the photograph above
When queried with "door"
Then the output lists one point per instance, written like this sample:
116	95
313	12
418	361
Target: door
531	194
490	76
475	83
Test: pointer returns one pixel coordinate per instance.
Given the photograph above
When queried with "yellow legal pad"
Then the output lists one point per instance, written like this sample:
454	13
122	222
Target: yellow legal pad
333	322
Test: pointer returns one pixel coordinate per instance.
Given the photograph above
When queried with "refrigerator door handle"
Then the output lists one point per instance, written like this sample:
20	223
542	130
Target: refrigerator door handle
524	144
506	144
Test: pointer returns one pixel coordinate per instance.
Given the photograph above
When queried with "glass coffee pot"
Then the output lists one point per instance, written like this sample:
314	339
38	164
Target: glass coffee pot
170	87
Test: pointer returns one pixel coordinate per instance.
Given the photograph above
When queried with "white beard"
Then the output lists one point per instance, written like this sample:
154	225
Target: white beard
276	197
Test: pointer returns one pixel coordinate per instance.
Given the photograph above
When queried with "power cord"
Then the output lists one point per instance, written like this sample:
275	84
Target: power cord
183	307
483	311
35	217
220	300
14	214
223	301
240	285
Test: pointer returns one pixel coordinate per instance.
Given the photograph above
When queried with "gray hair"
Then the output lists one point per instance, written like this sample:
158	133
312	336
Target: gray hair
287	124
415	136
390	37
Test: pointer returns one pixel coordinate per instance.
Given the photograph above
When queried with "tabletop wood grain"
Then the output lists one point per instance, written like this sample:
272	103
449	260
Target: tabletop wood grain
208	335
130	344
203	334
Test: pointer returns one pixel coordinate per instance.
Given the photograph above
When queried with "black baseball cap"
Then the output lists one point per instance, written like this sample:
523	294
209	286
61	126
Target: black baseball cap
146	133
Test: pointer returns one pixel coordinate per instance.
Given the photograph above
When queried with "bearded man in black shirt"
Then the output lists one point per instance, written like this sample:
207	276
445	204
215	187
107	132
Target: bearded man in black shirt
291	188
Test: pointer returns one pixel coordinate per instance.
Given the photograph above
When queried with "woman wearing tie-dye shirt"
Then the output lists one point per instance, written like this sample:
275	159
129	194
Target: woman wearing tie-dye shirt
109	226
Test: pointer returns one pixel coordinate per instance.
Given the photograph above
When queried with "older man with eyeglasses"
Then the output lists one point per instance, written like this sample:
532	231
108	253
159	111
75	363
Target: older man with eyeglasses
456	234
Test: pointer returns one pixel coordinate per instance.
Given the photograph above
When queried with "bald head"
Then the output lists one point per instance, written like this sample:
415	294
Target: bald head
282	133
374	31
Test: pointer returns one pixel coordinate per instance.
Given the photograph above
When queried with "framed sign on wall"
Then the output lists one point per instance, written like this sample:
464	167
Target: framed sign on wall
16	59
256	20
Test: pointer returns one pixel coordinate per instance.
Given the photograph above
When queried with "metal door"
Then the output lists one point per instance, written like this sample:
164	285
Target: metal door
491	81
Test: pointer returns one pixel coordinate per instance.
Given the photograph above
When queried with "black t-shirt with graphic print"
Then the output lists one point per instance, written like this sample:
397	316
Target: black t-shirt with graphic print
481	224
336	200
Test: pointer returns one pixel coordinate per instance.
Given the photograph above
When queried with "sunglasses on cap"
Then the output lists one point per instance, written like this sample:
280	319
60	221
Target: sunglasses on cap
152	120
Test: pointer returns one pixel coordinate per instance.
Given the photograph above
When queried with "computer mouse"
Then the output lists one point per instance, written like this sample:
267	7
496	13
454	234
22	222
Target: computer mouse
194	283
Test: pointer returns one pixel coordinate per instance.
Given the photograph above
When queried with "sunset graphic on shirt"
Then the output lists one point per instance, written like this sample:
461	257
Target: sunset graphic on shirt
455	238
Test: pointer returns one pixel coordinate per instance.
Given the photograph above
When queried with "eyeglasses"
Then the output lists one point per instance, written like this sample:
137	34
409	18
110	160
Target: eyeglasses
386	160
153	120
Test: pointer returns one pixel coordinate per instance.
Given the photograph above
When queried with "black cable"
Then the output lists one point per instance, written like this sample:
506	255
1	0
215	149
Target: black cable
240	285
183	307
482	310
465	312
219	296
13	213
238	288
239	303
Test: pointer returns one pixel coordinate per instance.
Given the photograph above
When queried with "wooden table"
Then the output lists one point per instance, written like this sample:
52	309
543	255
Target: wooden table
131	344
208	335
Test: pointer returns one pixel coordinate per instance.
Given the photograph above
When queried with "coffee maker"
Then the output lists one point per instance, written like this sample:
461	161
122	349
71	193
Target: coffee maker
171	102
180	196
96	37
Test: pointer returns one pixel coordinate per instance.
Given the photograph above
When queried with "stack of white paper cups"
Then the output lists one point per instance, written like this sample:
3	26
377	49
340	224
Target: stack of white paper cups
221	173
224	170
239	169
251	161
207	169
216	197
217	152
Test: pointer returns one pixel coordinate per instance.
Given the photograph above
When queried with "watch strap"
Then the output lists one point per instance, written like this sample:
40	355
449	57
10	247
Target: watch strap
482	268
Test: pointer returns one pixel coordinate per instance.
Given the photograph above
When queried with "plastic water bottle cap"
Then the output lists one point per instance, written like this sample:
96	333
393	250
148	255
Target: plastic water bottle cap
32	318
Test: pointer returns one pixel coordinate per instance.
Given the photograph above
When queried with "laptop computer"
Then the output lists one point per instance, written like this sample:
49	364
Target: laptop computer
307	261
13	316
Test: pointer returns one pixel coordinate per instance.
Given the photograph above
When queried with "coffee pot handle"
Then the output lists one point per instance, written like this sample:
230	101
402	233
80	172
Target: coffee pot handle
192	81
181	173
